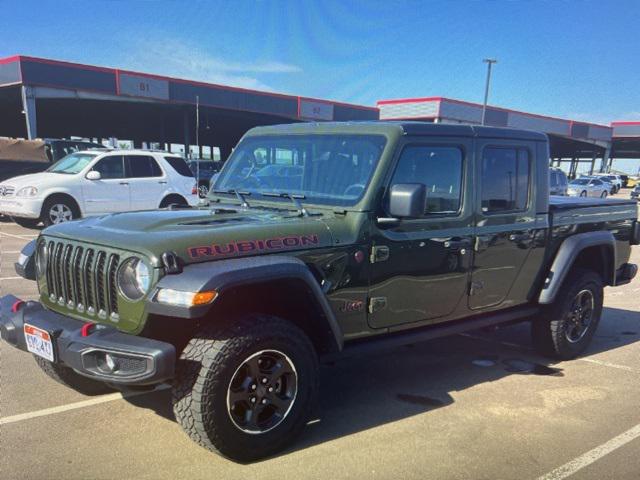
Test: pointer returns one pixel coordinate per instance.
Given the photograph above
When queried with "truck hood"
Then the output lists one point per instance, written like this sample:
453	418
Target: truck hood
197	235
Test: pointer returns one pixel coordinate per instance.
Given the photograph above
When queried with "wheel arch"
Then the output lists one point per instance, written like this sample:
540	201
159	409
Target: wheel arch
61	194
168	196
282	286
591	250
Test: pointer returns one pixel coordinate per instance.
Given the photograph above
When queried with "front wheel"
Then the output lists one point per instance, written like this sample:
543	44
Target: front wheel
604	194
246	390
568	325
583	193
56	211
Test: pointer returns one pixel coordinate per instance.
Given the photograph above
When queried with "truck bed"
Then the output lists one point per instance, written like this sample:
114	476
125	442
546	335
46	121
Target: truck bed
565	203
577	210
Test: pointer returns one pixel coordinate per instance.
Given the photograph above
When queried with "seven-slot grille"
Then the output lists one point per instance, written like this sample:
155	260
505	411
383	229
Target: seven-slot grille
6	190
82	278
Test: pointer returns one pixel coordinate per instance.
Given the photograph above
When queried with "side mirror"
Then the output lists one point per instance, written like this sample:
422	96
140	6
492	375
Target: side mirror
407	200
93	175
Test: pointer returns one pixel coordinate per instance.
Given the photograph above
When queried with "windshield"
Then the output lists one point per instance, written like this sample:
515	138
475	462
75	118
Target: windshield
323	169
71	164
580	181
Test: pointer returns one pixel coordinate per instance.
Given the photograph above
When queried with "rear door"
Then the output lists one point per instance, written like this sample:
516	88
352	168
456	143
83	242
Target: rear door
505	220
420	267
147	182
111	192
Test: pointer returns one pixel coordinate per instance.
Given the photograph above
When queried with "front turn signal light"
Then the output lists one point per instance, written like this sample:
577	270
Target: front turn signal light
178	298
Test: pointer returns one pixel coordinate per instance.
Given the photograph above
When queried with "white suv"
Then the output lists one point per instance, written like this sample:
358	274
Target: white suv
95	182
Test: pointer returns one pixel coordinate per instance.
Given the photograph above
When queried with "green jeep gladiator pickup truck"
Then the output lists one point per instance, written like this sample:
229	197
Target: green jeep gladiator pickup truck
318	240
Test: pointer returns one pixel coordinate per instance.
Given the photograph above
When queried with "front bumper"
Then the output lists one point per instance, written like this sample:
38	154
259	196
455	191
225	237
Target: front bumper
21	207
138	360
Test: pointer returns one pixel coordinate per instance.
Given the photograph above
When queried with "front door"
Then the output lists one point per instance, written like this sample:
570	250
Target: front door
420	266
111	192
505	224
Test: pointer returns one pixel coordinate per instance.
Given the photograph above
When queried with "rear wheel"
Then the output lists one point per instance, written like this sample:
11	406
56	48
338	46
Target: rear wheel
246	390
71	379
583	193
568	325
603	194
173	200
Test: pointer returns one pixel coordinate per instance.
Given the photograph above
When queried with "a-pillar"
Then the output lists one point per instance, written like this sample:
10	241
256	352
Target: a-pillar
29	109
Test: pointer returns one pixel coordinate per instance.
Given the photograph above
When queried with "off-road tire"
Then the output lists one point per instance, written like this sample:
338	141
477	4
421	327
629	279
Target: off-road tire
549	330
71	379
26	222
204	372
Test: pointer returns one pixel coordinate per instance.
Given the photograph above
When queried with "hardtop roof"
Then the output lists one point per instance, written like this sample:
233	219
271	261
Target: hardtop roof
402	127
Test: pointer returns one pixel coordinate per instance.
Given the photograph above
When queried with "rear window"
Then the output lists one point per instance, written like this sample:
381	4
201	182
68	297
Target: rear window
180	166
142	166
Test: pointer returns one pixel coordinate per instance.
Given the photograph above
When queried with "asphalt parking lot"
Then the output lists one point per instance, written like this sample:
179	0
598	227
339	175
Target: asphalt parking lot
476	406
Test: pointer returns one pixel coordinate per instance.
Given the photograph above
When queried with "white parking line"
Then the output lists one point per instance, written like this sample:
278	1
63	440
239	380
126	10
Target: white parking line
20	237
592	456
74	406
11	278
9	251
609	364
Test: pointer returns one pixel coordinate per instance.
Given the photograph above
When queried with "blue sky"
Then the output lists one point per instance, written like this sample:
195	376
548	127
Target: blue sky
578	59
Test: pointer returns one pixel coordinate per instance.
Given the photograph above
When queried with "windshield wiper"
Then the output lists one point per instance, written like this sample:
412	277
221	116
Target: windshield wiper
239	195
291	196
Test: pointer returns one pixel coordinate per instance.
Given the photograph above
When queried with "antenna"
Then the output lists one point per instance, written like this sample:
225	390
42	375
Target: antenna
198	144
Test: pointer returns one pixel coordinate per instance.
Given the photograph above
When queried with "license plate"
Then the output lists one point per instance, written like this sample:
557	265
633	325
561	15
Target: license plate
38	342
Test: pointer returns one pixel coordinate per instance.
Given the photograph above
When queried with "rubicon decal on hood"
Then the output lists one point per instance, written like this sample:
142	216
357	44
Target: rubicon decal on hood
253	246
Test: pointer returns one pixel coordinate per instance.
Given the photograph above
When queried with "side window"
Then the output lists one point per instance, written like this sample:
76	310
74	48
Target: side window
180	166
553	179
440	169
110	167
142	166
597	183
505	179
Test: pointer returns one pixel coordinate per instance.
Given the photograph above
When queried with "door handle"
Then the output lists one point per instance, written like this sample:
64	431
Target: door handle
162	182
519	237
124	183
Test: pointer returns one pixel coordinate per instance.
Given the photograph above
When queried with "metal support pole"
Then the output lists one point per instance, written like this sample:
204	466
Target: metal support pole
489	62
187	134
29	111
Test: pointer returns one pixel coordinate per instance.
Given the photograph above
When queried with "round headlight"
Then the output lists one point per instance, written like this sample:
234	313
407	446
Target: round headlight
134	278
41	258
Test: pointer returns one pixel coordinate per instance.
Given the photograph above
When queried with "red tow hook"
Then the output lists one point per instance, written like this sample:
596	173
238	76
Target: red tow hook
16	306
86	329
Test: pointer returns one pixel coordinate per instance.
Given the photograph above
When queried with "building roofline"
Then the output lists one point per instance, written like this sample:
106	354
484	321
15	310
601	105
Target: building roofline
472	104
118	71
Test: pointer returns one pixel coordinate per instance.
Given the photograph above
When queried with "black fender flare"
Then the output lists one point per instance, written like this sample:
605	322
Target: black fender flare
566	256
223	275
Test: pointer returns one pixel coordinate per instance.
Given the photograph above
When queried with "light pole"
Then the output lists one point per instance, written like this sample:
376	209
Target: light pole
489	62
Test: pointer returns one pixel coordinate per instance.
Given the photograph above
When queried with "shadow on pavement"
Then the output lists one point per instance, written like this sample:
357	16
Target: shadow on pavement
361	393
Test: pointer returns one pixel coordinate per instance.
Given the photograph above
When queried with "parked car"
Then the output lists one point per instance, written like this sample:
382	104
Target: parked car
96	182
396	233
625	180
635	193
615	180
204	170
633	181
588	187
558	182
